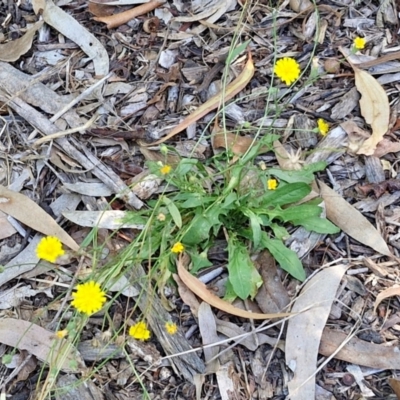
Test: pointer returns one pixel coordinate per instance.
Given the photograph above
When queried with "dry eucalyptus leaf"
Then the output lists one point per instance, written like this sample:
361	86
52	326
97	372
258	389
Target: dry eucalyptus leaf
13	50
109	219
69	27
375	109
351	221
304	330
40	342
208	331
200	289
359	352
29	213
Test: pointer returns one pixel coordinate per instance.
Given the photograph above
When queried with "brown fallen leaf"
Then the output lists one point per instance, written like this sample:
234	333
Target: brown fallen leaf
359	352
29	213
390	185
40	342
115	20
304	330
389	292
375	109
386	146
13	50
100	10
272	296
200	289
351	221
232	90
236	143
395	385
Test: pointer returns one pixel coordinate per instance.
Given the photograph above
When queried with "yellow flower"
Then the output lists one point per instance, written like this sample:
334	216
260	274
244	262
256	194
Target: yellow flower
272	184
49	249
178	248
61	334
139	331
359	43
323	126
166	169
287	69
88	298
171	327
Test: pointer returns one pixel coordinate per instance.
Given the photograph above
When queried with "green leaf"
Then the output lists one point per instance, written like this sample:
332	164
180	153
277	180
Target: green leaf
285	194
305	175
292	176
195	200
319	225
236	51
279	231
198	231
299	213
255	222
199	261
173	210
286	258
229	200
243	275
184	166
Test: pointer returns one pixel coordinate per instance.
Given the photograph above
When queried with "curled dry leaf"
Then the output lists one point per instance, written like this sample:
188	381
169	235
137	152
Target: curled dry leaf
375	109
232	89
389	292
69	27
29	213
200	289
13	50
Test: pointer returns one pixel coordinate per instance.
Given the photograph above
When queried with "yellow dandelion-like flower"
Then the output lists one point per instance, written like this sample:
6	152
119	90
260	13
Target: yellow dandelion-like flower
359	43
88	298
287	69
166	169
49	249
61	334
139	331
323	126
171	327
178	248
272	184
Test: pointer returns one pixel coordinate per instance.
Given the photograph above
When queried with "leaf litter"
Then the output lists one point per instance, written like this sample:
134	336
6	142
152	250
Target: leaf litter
195	38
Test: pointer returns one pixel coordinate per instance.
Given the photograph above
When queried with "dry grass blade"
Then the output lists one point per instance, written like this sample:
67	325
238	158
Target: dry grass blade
200	289
232	90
